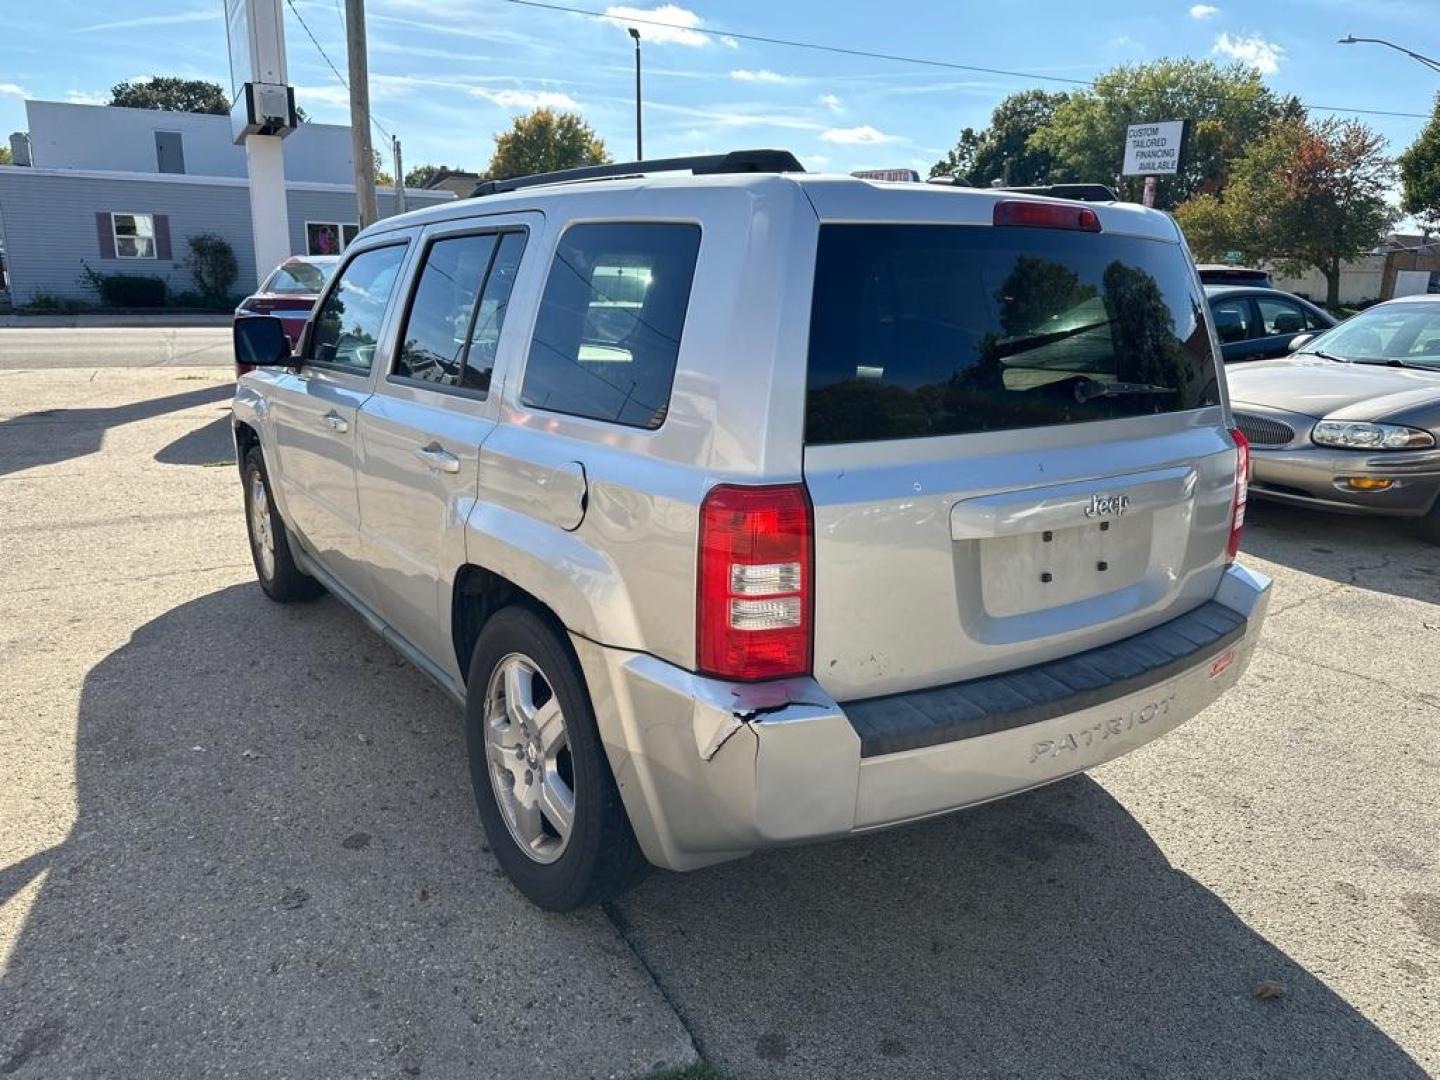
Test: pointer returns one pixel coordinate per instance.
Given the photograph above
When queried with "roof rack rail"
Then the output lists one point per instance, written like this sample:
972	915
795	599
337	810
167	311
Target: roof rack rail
1078	192
737	161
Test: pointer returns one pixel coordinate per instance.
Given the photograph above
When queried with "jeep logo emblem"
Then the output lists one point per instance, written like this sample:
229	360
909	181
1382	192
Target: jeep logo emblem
1107	505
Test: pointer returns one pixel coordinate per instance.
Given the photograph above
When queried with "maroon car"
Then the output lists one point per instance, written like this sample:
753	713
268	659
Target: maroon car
290	292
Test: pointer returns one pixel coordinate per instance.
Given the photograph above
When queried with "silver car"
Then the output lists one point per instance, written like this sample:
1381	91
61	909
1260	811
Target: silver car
1350	421
741	507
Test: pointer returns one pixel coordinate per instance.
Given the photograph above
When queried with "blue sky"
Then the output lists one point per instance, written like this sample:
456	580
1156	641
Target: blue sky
446	75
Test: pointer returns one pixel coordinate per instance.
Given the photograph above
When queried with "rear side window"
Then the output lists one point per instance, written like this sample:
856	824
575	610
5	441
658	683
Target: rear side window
1280	316
608	331
1234	320
296	278
949	329
454	320
347	326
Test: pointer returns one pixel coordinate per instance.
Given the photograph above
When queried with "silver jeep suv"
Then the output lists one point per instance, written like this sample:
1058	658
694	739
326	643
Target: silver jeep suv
740	507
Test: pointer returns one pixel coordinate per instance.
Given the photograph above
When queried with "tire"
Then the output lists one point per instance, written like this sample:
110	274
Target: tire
282	580
536	756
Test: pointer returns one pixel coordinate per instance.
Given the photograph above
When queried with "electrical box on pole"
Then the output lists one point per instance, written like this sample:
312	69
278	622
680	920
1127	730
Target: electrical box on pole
262	112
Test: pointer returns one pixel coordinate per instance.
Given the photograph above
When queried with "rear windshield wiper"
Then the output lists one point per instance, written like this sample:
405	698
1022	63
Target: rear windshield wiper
1090	389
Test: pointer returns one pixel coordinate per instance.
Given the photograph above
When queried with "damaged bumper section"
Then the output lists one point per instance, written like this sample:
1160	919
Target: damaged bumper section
712	770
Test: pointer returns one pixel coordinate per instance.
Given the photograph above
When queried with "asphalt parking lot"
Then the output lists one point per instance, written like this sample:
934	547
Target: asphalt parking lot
238	839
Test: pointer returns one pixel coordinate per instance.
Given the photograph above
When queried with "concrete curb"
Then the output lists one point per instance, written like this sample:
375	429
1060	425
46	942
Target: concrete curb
111	319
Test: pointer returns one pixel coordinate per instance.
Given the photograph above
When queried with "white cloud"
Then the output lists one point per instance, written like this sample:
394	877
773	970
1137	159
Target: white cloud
1203	11
13	88
744	75
831	102
729	42
816	162
1264	56
87	97
668	24
208	14
332	94
527	99
864	135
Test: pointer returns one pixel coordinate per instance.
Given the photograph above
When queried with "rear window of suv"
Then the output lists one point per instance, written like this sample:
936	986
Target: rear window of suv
951	329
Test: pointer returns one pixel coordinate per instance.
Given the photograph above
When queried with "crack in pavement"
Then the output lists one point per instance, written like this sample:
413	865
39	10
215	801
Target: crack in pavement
1405	695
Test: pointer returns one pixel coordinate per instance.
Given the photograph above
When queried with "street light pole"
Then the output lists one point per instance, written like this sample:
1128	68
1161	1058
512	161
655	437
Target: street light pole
639	139
1351	39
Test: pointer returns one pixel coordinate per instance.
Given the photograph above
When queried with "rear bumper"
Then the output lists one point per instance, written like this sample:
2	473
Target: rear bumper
711	770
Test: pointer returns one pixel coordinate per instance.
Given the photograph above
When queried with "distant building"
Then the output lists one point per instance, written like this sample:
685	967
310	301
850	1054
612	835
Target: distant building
123	190
460	183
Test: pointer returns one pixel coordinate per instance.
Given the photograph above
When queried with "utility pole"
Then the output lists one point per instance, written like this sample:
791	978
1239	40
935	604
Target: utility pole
639	139
400	205
360	147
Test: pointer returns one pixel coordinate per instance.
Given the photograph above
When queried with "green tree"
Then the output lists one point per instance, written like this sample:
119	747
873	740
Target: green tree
543	141
1307	194
1005	150
1228	108
171	95
382	175
5	158
212	264
1420	174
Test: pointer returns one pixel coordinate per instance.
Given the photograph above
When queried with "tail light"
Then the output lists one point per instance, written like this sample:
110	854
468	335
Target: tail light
755	599
1046	215
1242	489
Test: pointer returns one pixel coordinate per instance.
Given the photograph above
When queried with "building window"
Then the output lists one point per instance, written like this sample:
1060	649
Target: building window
134	235
328	237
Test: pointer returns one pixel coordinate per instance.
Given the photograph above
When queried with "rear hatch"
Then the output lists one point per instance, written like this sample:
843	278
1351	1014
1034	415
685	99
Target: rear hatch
1015	443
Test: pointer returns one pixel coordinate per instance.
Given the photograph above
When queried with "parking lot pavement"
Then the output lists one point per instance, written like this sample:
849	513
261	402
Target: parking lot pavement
239	839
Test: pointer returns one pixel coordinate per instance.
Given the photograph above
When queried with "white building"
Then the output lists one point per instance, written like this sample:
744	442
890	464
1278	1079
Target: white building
122	191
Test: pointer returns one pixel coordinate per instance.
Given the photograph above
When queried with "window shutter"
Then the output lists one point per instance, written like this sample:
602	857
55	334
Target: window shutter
104	234
162	236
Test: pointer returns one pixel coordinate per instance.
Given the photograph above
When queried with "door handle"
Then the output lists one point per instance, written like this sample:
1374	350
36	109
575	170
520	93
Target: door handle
438	458
335	422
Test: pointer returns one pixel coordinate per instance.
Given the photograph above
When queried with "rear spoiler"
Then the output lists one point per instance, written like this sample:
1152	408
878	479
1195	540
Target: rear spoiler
1075	192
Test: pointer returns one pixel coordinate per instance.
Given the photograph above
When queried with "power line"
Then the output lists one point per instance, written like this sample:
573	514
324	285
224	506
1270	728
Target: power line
896	57
336	71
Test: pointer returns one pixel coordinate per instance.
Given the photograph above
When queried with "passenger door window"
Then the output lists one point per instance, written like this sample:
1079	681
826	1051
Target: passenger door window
490	317
453	325
437	327
347	327
1279	317
607	335
1234	320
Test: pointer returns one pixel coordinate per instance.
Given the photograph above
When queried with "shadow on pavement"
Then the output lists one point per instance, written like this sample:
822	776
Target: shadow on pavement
1040	936
276	869
1381	554
72	433
209	445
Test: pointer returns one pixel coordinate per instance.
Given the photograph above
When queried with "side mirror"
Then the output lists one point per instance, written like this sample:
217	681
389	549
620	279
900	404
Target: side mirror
260	341
1298	342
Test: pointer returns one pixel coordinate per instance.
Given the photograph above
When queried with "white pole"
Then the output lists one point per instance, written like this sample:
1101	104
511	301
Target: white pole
1148	198
269	214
